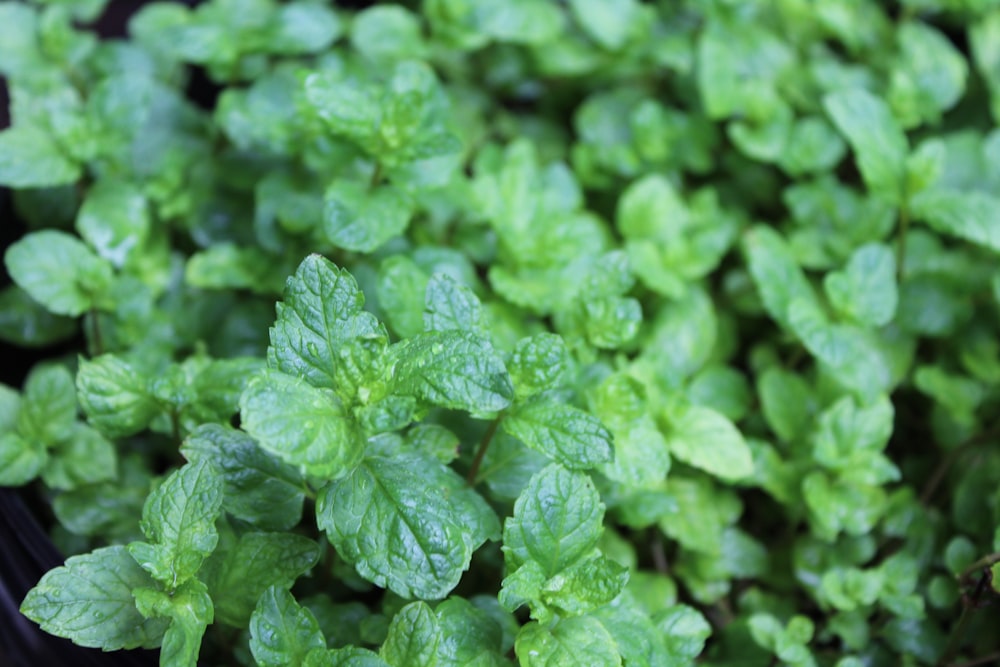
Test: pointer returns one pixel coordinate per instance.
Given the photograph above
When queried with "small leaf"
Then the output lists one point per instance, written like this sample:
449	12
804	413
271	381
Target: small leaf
89	600
407	523
607	22
703	438
778	277
539	363
31	158
48	406
20	459
970	216
866	290
360	219
413	637
114	219
574	438
27	323
453	369
450	305
879	144
301	424
190	610
469	635
116	398
282	632
578	640
179	521
321	312
85	457
557	520
59	271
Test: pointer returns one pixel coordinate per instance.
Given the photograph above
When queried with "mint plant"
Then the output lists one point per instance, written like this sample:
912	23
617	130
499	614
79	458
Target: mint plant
491	333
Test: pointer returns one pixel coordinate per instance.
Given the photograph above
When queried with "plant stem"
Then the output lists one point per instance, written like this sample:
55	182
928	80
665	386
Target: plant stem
96	342
968	606
484	444
982	563
904	226
376	176
990	659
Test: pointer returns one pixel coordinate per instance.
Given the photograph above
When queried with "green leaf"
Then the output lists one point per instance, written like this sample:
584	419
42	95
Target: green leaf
282	632
413	638
229	266
539	363
116	398
255	563
469	635
578	640
31	158
21	459
929	77
304	27
401	290
407	523
84	457
301	424
89	600
48	406
700	513
969	216
878	142
786	400
352	656
450	305
359	218
685	631
190	610
705	439
778	277
320	314
453	369
59	271
179	521
27	323
607	22
557	520
584	586
114	220
387	33
574	438
258	488
347	108
865	290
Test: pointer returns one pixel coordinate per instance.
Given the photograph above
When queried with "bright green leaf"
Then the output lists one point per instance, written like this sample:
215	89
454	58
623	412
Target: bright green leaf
282	632
413	639
578	640
705	439
562	432
31	158
115	397
865	290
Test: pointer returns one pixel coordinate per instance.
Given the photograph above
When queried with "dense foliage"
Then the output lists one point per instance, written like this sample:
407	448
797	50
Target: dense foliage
482	332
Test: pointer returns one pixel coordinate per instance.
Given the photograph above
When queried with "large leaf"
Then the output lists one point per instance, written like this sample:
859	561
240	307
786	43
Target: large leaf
567	434
407	523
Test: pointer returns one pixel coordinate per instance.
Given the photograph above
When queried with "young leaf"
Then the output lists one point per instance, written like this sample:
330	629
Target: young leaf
574	438
577	640
258	488
539	363
584	586
778	277
179	521
413	637
401	290
89	600
321	312
703	438
557	520
866	290
453	369
190	611
85	457
301	424
876	138
450	305
282	632
115	397
59	271
406	522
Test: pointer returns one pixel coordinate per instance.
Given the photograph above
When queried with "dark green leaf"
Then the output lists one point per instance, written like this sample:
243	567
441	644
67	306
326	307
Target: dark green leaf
282	632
